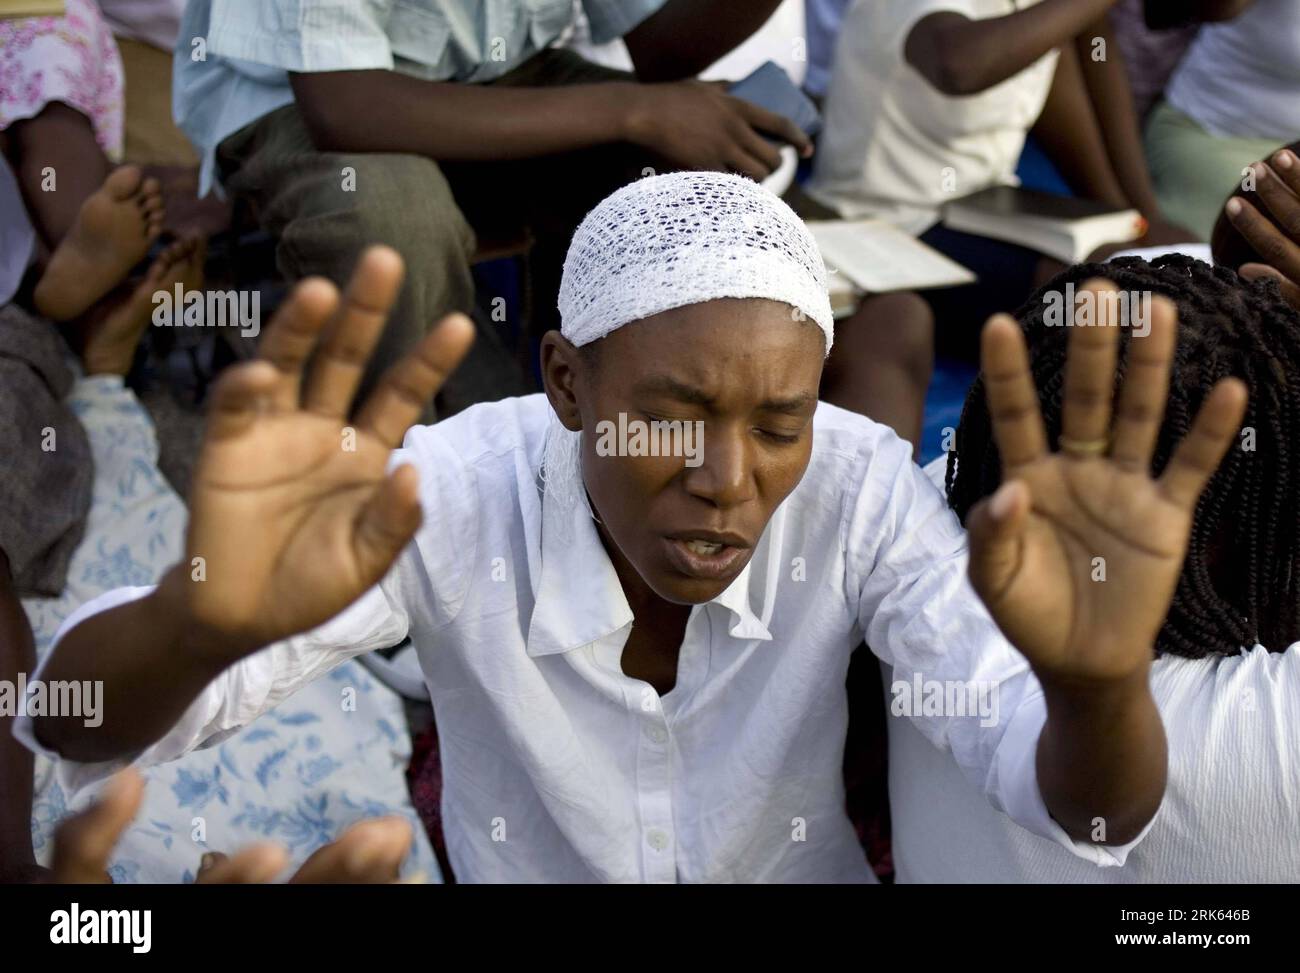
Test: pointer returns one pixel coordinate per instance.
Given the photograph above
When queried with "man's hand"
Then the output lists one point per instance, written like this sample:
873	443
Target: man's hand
368	852
697	125
292	511
1040	543
1275	236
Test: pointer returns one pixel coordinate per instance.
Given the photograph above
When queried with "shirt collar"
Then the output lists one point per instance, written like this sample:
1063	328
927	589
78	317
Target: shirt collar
580	599
745	623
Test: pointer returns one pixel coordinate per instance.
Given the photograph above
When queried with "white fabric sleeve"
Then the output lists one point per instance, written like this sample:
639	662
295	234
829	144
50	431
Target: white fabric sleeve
908	13
906	562
242	692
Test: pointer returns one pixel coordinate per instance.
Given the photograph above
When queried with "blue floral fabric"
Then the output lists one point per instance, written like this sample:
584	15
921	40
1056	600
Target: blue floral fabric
333	754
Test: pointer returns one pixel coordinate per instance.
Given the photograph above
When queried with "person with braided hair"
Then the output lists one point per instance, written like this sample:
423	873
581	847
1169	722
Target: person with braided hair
1226	676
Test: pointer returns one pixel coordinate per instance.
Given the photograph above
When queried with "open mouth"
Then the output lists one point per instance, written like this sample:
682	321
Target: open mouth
703	548
705	558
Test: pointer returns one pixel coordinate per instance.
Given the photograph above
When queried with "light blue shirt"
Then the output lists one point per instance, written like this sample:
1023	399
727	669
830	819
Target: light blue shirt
823	25
233	57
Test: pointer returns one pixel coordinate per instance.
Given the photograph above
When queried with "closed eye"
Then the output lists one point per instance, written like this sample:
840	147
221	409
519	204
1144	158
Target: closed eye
777	437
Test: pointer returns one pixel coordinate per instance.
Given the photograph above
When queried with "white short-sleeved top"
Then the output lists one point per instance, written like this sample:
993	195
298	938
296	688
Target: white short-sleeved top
1231	812
894	147
558	767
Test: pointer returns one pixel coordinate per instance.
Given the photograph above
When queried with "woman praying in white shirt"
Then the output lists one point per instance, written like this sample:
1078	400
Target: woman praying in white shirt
637	660
1227	670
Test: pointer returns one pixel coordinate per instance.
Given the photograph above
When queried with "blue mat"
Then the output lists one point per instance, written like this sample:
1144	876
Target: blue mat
943	404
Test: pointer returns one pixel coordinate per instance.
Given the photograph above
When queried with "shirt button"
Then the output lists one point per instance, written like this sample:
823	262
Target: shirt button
657	734
658	839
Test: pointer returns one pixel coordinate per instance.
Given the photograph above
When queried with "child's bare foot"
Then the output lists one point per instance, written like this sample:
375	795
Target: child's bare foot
114	229
113	329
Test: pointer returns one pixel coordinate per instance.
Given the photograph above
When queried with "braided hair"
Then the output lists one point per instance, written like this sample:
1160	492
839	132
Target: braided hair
1240	583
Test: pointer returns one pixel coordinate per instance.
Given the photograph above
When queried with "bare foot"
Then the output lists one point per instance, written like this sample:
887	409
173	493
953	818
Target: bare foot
114	328
114	229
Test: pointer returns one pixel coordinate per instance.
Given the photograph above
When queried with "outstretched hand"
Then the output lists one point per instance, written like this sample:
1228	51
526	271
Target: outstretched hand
293	512
370	851
1275	234
1063	521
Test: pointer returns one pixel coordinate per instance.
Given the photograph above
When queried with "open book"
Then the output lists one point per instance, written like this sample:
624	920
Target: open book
1063	227
10	9
875	257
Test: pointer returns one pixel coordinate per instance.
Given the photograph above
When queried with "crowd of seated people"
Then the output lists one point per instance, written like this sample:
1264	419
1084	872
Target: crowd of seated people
460	233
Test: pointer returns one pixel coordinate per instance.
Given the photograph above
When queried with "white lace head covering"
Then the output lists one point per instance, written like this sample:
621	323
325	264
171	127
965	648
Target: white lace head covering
670	241
686	238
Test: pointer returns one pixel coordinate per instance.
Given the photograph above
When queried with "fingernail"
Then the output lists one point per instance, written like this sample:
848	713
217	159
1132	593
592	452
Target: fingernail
1234	206
1284	159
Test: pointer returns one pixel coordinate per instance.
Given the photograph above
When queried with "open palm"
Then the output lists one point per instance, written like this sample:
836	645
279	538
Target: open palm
293	512
1078	554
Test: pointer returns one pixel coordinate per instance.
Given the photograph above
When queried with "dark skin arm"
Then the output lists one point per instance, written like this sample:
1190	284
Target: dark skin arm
17	654
1162	14
1089	131
693	125
960	56
295	529
683	37
457	121
324	524
152	665
1112	102
1070	134
1102	753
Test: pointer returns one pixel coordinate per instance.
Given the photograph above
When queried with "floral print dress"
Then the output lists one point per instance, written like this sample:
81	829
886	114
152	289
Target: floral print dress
71	59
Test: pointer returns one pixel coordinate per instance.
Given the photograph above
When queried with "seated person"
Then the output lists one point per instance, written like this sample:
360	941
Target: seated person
1226	674
440	123
1234	99
933	99
636	652
61	133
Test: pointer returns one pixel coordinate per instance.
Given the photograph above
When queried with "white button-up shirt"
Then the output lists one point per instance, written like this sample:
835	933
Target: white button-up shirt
558	767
